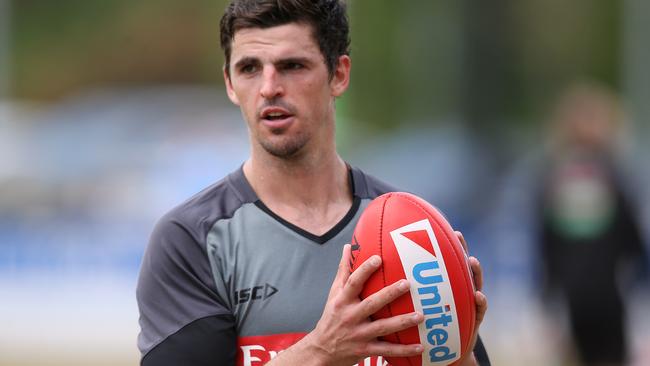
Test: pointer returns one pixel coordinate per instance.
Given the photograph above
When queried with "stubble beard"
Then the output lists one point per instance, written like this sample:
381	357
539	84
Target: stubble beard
286	147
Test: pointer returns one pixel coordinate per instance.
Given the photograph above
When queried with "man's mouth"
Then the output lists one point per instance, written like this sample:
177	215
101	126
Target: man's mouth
276	116
273	114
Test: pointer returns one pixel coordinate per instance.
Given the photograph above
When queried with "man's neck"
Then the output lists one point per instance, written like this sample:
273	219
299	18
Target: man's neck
312	194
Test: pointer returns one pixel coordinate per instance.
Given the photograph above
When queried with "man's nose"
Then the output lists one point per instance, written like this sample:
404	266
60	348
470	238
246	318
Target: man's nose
271	84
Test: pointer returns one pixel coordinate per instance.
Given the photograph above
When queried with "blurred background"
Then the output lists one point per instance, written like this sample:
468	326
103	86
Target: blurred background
113	112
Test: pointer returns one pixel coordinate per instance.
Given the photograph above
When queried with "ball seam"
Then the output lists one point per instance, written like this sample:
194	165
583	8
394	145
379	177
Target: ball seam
381	250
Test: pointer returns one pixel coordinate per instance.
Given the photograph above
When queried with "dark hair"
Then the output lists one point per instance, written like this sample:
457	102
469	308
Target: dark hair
328	19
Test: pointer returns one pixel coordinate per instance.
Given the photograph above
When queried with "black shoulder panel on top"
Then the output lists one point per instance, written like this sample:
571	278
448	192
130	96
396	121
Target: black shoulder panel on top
204	342
176	284
367	186
241	186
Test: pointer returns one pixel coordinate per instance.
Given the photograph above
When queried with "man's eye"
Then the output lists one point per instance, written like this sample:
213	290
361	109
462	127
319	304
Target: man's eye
248	69
293	66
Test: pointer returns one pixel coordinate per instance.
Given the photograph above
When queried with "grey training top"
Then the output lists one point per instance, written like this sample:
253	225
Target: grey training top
226	281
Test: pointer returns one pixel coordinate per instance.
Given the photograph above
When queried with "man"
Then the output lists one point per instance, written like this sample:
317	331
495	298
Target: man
587	217
240	272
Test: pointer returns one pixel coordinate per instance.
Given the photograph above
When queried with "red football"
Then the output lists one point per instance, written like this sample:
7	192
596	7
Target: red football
416	243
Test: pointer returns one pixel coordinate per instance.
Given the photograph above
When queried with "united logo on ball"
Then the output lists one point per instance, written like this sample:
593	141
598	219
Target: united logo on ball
417	243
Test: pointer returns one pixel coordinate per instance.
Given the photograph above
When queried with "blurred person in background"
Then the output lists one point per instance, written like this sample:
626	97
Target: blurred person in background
587	222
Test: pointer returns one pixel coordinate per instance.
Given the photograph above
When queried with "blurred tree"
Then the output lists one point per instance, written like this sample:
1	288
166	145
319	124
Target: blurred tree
560	42
374	94
61	46
5	31
518	54
414	62
636	58
406	65
490	84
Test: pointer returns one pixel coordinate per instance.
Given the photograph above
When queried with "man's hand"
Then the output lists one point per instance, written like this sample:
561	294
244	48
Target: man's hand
344	334
480	299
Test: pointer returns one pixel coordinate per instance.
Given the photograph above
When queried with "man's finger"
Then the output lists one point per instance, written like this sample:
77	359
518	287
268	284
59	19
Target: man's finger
461	238
382	327
481	307
383	297
477	271
344	269
380	348
356	280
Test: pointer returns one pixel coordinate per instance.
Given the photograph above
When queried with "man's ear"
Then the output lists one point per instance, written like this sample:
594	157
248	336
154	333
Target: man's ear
231	93
341	78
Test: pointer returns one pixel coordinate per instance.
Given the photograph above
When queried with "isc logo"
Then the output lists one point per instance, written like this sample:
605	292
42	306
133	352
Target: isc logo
254	293
431	291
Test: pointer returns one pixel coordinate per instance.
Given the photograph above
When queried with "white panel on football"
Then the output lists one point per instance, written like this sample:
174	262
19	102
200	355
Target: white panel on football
432	295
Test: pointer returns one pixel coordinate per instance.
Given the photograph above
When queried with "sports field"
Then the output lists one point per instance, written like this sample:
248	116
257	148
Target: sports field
50	319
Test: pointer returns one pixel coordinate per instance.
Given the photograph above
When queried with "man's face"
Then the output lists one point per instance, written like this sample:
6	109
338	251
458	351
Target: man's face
279	79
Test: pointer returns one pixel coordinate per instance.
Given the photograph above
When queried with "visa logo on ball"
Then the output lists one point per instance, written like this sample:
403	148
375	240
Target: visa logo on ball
431	292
